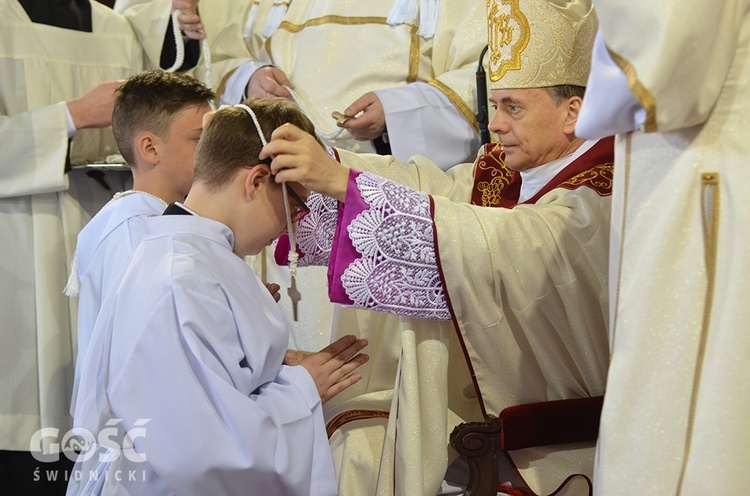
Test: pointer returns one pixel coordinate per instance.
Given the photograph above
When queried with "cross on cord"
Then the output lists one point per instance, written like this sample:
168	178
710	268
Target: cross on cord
295	296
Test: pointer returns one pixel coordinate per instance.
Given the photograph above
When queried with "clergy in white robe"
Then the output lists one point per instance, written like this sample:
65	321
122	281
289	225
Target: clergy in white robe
418	56
671	79
43	205
541	335
516	295
152	23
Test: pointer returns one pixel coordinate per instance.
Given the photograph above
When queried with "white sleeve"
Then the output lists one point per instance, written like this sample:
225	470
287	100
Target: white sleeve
609	106
220	423
234	91
34	149
149	20
421	120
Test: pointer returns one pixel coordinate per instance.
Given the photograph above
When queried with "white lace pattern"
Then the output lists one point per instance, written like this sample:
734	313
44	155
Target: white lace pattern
398	271
315	232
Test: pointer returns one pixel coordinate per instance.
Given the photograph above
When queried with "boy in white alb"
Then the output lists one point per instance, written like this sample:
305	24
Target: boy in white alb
185	364
157	122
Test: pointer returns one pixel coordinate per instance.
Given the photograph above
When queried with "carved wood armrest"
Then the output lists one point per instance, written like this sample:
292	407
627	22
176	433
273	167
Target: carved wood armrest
479	443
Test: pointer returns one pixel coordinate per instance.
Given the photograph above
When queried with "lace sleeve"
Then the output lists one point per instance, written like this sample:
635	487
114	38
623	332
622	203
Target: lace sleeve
395	270
314	233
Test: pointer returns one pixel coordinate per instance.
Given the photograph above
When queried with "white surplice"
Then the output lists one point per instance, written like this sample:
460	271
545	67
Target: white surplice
189	347
42	208
675	412
104	248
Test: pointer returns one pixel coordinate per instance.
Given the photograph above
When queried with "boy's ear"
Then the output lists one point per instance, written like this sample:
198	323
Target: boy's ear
146	149
255	178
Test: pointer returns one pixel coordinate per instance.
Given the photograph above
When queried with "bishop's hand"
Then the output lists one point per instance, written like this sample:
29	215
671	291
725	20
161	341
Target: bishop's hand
298	157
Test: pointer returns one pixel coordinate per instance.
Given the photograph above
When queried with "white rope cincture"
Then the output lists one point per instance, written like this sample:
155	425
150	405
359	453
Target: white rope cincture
179	58
293	255
180	50
325	135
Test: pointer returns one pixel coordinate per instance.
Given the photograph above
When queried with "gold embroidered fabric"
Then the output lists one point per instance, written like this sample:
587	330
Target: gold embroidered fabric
538	43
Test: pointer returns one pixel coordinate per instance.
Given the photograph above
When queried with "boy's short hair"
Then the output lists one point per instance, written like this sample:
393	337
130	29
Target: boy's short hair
230	140
150	101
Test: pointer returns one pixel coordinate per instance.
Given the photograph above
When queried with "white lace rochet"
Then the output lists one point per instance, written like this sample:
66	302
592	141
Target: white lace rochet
398	271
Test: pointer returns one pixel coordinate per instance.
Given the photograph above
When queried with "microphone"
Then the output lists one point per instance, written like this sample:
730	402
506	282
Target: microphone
482	116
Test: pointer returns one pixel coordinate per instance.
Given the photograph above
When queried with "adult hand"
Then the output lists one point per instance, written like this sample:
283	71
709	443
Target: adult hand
188	19
274	289
332	368
370	123
94	108
268	82
298	157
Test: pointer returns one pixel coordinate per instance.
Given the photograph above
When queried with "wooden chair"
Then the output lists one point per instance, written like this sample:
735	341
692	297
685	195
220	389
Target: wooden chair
518	427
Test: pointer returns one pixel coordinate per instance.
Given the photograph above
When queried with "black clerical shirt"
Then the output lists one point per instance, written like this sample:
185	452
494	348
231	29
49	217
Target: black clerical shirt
76	15
67	14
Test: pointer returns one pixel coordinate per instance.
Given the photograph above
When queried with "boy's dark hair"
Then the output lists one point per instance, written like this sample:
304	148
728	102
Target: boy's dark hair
150	101
230	141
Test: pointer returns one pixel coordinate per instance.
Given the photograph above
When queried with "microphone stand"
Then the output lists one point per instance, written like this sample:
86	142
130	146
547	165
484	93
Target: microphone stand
482	116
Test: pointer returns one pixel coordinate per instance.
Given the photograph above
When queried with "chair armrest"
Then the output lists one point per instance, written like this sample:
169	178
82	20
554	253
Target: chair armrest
550	422
479	443
522	426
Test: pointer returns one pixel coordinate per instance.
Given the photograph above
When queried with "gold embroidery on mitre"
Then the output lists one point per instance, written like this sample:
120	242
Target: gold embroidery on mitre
508	36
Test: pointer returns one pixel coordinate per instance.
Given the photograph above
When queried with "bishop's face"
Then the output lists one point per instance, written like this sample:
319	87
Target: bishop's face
530	126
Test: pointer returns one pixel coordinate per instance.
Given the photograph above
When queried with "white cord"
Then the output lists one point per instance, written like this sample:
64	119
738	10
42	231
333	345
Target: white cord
180	50
293	255
301	104
179	45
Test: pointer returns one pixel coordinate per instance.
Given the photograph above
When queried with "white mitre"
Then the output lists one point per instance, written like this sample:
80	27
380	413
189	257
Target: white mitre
539	43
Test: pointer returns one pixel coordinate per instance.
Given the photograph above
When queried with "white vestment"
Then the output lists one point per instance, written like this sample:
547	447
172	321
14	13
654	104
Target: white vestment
104	248
524	287
187	352
675	417
335	51
149	20
42	208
